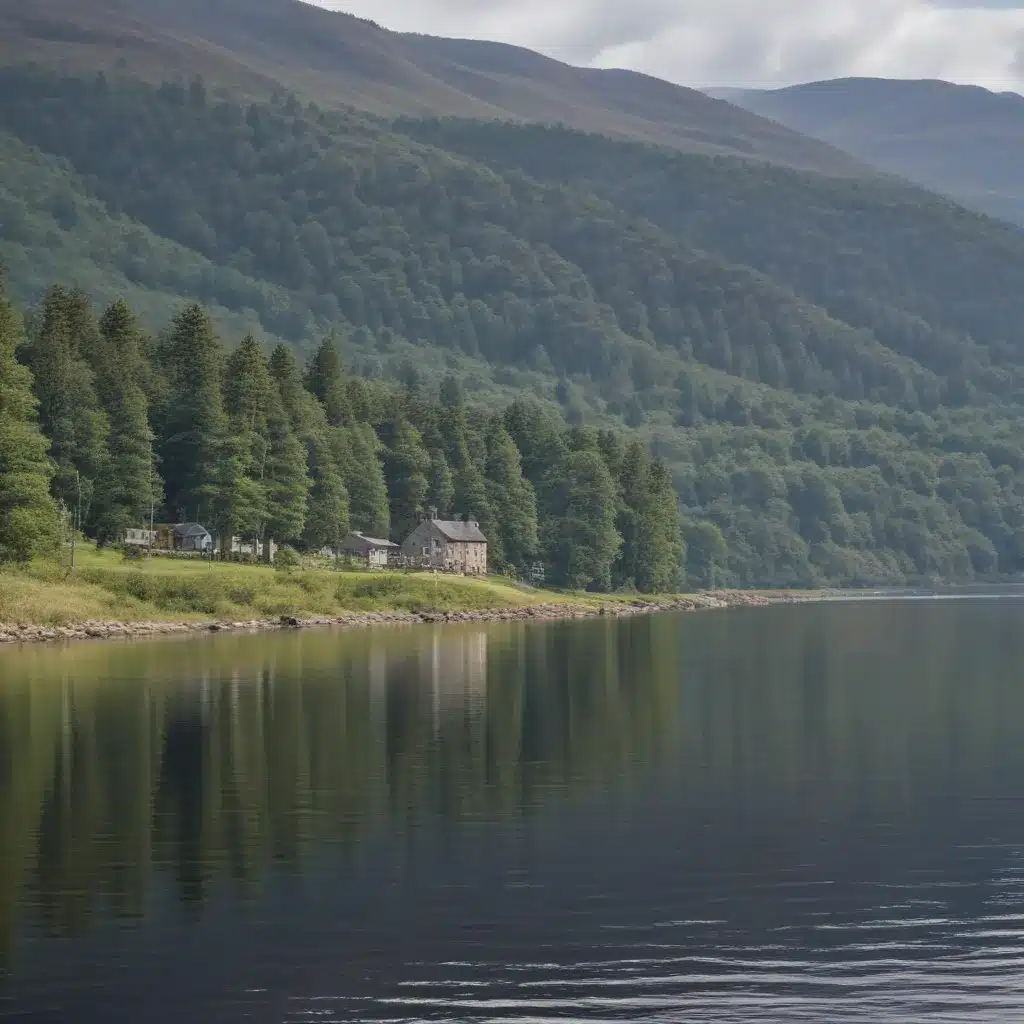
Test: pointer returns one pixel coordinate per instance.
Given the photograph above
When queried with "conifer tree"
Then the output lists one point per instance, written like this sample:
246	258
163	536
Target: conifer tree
470	496
512	500
325	379
326	502
661	547
248	394
285	370
129	489
327	519
580	535
247	388
69	409
29	524
406	464
82	326
357	453
235	502
357	399
649	523
196	424
538	435
285	478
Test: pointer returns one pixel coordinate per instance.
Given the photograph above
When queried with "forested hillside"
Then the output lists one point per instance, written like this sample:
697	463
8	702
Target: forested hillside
831	369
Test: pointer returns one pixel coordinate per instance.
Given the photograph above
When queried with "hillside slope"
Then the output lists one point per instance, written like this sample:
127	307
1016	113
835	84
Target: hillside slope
832	368
256	46
963	141
931	280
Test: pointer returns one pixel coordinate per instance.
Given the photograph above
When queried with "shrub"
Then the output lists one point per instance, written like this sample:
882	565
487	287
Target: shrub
287	560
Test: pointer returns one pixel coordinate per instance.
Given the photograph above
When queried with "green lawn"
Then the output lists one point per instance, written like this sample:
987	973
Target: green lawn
106	587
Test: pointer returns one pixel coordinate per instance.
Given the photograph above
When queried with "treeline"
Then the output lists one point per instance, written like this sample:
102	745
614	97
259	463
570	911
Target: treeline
267	449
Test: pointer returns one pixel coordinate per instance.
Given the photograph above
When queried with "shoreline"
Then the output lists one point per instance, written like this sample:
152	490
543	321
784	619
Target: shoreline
553	612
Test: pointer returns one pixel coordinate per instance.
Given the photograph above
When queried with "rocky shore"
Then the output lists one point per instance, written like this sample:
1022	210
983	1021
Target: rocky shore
10	634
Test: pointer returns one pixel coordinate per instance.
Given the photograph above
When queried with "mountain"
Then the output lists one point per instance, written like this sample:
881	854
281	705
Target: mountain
831	367
257	46
960	140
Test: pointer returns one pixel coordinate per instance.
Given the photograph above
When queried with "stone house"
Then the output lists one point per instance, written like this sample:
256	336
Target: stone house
371	550
451	545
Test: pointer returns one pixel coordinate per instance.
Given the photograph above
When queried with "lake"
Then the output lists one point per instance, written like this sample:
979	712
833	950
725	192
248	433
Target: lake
796	813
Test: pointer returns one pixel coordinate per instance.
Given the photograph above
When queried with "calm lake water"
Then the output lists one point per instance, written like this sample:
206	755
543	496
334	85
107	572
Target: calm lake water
799	813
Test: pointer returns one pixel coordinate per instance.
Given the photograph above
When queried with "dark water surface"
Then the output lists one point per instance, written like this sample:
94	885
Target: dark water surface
794	814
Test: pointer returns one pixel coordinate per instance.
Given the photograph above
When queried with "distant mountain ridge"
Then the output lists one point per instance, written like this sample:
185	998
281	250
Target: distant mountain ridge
254	46
961	140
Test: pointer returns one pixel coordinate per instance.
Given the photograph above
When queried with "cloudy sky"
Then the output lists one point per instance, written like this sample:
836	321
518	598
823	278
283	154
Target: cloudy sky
741	42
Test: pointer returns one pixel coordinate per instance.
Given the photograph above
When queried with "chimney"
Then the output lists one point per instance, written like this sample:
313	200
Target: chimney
431	512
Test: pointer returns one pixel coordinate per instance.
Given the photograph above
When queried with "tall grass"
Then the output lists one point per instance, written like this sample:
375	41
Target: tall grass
106	587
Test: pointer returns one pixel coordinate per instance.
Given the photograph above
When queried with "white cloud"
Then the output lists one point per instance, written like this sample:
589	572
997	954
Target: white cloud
741	42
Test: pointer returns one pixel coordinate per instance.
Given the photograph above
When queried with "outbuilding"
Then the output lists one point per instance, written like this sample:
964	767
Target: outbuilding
373	550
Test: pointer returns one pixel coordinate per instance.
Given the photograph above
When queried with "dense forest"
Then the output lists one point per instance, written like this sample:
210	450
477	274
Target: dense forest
263	448
830	369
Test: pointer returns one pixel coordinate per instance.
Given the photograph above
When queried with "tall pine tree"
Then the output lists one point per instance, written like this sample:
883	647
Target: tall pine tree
249	393
470	497
357	452
406	464
580	536
196	425
130	489
650	524
29	524
69	408
511	497
327	521
325	379
286	478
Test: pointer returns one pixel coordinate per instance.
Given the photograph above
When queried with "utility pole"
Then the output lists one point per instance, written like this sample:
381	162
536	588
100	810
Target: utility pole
76	520
152	503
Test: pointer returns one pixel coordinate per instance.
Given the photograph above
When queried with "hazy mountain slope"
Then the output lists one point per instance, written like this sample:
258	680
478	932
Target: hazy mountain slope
963	141
253	45
929	277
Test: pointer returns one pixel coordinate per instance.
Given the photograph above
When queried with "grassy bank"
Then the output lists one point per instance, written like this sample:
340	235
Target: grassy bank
107	588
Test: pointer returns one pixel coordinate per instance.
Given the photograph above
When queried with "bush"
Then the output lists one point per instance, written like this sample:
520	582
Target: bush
287	560
132	553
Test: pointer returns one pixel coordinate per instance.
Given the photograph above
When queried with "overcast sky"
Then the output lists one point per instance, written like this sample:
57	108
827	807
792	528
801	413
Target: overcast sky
741	42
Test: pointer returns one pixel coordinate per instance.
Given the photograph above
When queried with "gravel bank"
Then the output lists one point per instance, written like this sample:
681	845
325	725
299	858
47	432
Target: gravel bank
540	612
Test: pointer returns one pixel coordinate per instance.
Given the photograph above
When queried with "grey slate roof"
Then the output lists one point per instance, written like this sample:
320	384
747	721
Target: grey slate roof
375	542
467	533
